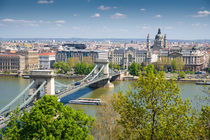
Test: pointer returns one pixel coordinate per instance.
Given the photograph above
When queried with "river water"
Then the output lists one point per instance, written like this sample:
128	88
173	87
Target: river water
10	87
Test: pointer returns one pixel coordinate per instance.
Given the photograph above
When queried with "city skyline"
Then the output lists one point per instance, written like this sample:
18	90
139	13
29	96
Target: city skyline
181	19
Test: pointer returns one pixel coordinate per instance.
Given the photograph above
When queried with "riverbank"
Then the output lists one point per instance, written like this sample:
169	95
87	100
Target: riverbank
9	75
57	76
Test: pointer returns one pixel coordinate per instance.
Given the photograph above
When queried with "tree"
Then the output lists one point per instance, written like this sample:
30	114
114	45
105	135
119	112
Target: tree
73	61
180	63
174	65
163	64
114	66
154	110
87	60
83	68
48	119
177	64
62	66
134	68
106	126
182	74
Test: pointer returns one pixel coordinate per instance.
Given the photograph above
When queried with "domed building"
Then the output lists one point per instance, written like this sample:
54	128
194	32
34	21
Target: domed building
159	42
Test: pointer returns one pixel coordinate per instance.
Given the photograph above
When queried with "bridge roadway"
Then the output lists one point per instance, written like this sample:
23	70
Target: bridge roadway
73	89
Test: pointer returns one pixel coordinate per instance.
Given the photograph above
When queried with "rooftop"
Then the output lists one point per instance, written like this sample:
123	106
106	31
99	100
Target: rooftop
43	54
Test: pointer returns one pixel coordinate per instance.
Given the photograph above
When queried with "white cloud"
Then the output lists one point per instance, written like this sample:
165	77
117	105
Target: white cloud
158	16
102	7
204	13
75	15
45	1
145	27
123	30
32	23
118	16
143	9
59	25
168	27
199	24
60	21
16	20
96	15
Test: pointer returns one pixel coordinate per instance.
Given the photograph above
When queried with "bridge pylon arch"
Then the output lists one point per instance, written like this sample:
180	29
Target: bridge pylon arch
39	76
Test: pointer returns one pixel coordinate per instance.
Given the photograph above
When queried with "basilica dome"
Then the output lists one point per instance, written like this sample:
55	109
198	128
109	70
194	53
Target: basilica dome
158	36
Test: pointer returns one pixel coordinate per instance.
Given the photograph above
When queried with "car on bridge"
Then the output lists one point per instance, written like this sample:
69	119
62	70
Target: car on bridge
77	83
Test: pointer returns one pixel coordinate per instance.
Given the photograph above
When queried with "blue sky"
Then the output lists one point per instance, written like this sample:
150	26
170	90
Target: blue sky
179	19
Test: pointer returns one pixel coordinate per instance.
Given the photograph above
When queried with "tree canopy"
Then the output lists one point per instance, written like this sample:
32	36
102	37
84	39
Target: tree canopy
156	110
83	68
62	67
114	66
48	119
134	68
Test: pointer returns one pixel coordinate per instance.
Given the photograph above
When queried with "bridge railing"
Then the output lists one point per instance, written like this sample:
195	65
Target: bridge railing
9	106
60	85
28	100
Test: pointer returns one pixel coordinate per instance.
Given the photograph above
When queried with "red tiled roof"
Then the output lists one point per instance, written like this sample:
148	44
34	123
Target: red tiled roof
9	55
46	54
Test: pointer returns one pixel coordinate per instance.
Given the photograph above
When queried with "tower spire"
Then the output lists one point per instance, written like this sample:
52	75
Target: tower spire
159	32
148	42
165	41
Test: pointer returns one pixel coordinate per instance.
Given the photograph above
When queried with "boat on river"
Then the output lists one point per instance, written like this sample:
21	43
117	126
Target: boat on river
86	101
203	83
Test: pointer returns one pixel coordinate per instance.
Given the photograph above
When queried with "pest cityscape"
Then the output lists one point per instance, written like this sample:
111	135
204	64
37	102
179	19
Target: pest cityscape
104	69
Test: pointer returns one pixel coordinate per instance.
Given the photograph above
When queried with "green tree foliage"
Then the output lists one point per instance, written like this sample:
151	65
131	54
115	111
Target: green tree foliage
63	67
134	68
73	61
182	74
163	64
83	68
155	110
177	64
48	119
114	66
106	126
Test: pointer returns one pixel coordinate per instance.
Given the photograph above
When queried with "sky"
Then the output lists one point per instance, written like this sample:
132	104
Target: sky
178	19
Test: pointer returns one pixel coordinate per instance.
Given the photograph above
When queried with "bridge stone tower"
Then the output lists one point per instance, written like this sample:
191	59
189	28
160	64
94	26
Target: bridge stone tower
39	76
106	82
102	62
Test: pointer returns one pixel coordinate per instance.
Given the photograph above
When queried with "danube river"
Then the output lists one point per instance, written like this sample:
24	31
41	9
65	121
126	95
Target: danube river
10	87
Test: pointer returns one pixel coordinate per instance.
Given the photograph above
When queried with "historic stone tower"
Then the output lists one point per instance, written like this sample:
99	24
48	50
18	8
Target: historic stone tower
158	43
148	43
165	41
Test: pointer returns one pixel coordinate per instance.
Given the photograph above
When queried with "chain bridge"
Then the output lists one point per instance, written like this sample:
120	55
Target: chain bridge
42	82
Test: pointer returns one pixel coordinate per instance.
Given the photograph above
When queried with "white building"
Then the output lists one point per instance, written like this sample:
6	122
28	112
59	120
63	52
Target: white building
46	60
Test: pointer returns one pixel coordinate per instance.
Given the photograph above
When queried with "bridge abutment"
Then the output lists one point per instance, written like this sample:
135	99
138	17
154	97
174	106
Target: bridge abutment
39	76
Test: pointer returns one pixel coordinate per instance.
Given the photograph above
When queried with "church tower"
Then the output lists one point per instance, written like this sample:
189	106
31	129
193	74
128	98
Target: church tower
158	43
148	43
165	41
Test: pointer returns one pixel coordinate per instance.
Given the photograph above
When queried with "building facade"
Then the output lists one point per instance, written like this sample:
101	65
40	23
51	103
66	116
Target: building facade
126	56
193	58
64	55
12	63
46	60
31	59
